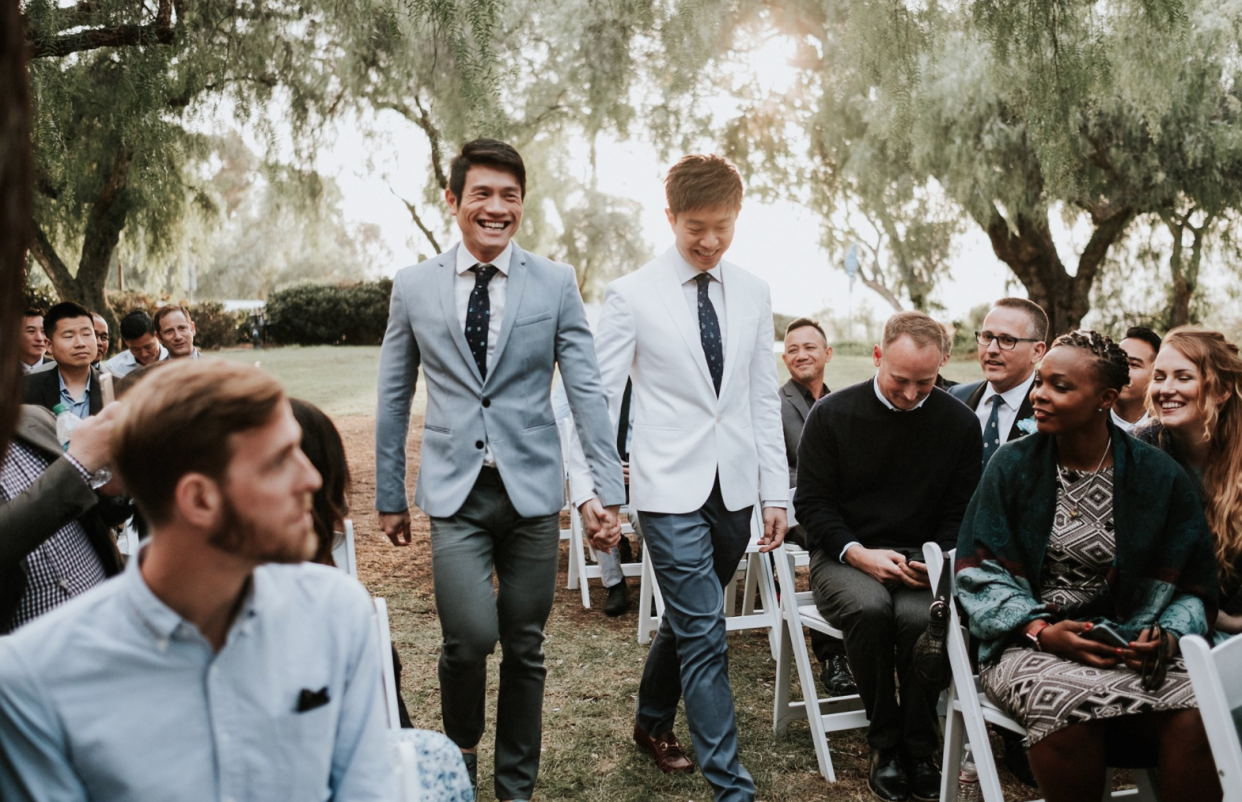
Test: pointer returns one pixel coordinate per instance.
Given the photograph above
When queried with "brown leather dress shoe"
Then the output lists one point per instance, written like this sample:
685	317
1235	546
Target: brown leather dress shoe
666	751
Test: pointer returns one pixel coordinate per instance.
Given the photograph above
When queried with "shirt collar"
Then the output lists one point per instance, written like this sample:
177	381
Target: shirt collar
161	620
687	272
1013	396
64	391
467	260
875	384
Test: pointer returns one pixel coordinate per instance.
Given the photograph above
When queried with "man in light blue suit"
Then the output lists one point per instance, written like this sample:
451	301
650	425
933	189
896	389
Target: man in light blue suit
488	323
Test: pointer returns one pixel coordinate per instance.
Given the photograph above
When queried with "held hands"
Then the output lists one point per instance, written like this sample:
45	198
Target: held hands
91	446
1064	639
397	526
888	567
775	525
603	524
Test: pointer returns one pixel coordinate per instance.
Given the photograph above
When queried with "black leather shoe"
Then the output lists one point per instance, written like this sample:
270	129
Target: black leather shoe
471	759
618	601
1015	758
924	779
888	777
836	677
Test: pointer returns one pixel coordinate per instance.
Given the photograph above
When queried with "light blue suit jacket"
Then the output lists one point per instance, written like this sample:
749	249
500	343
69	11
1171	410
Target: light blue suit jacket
544	326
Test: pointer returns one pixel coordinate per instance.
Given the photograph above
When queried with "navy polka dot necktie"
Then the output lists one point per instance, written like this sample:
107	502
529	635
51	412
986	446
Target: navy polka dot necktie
709	332
991	431
478	315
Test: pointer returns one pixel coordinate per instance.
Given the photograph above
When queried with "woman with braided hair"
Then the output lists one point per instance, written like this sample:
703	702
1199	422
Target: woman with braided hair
1083	557
1196	399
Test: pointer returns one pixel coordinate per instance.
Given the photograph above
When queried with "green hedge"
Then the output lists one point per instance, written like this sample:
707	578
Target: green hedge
325	314
214	328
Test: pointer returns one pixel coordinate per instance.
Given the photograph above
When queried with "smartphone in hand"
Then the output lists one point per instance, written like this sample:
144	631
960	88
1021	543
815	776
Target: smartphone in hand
1106	634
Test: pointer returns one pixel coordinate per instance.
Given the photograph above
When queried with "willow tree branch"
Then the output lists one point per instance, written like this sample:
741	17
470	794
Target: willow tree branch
160	32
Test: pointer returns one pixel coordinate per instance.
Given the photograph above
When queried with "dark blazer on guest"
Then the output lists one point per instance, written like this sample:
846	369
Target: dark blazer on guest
794	409
971	394
43	389
56	498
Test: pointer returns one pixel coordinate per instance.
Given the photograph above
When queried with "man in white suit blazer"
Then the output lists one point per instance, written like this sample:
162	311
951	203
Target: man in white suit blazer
694	333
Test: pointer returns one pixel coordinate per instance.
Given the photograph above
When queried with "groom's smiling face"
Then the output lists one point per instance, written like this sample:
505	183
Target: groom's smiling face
489	210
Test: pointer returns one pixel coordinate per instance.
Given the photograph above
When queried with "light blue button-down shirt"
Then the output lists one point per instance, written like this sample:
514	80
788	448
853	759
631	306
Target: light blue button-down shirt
114	696
80	407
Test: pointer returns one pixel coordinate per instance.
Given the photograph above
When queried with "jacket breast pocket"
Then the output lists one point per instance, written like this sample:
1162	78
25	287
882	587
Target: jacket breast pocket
531	320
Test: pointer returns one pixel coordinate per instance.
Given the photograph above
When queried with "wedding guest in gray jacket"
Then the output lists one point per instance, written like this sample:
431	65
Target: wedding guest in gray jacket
488	322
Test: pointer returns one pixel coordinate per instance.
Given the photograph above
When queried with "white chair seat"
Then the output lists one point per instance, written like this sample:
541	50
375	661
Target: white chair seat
1216	676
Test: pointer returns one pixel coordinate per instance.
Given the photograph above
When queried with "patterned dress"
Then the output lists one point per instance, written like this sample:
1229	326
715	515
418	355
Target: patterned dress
1045	692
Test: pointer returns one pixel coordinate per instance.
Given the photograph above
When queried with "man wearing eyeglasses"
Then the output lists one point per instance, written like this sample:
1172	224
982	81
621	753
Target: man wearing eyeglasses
1011	343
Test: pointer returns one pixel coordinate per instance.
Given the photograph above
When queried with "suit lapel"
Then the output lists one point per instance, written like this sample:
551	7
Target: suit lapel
37	436
446	278
977	395
513	298
733	311
96	402
1025	410
795	397
668	288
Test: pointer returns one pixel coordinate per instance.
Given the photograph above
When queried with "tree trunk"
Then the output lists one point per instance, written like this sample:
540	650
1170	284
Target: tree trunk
1032	256
1185	271
99	241
16	180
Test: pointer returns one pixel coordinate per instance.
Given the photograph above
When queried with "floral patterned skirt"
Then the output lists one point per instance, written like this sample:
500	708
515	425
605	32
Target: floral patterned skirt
1048	693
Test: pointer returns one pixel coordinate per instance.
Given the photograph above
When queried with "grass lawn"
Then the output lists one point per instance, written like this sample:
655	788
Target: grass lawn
341	380
594	662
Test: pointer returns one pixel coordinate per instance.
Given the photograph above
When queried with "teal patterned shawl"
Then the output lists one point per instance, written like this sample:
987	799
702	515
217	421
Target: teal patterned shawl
1164	569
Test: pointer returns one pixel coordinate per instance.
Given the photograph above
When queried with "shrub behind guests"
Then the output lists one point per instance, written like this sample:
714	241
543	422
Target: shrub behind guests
325	314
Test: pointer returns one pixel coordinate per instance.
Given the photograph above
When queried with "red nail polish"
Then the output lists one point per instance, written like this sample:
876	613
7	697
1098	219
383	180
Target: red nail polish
1088	626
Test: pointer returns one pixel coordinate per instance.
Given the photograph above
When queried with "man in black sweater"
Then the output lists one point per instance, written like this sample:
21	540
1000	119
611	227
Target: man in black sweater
884	466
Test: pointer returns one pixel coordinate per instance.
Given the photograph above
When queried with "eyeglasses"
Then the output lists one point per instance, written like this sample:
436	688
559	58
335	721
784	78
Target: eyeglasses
99	335
1003	341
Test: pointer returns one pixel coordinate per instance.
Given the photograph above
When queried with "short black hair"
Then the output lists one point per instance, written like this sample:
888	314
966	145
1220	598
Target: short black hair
65	310
490	152
1146	335
32	312
802	323
135	325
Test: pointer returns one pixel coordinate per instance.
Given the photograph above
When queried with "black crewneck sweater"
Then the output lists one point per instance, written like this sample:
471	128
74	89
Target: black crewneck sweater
882	477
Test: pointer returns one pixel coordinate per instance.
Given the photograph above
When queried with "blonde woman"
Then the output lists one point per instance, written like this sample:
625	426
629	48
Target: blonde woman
1196	398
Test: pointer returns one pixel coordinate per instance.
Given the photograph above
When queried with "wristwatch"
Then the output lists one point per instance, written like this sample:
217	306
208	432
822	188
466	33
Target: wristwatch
1032	635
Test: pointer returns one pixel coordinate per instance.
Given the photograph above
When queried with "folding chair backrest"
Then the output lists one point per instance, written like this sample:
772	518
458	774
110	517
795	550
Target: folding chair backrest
343	554
385	658
1216	675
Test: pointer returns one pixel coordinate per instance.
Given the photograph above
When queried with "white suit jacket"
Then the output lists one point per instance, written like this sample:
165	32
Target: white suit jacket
683	433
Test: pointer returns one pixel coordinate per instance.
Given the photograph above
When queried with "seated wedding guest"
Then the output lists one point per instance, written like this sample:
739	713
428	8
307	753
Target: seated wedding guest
34	343
1141	346
102	339
56	514
176	331
141	345
321	443
217	666
72	381
806	354
1077	534
884	466
1196	395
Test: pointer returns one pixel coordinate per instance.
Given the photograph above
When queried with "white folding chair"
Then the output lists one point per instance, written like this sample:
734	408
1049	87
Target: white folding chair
969	711
1216	676
343	553
567	535
385	658
580	548
760	609
832	714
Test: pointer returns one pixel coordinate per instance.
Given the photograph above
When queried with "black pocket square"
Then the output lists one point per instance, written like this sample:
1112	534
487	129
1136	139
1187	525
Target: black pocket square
309	700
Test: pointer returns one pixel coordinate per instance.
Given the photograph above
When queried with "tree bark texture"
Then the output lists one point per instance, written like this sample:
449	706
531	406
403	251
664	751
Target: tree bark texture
103	231
16	179
159	31
1029	251
1183	268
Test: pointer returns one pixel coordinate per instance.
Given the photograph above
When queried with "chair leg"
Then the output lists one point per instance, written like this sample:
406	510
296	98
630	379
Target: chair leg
646	598
954	741
784	665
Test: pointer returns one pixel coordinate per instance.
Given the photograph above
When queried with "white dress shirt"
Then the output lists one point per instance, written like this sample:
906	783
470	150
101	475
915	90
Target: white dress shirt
1124	425
497	290
1008	414
686	274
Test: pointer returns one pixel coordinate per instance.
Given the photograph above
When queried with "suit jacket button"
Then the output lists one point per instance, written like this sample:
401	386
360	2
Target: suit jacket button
487	402
478	443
